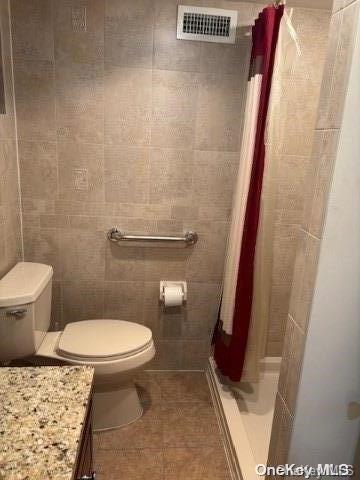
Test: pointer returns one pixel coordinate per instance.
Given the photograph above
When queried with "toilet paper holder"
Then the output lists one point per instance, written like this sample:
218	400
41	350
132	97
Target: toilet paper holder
172	283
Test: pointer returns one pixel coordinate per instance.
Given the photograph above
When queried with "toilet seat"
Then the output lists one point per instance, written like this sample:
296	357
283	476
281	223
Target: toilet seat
49	348
103	340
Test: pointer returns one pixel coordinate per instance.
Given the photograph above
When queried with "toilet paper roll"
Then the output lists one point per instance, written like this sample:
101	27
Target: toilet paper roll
173	296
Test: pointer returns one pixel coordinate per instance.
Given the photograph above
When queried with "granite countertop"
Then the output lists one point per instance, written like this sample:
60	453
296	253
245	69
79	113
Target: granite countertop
42	410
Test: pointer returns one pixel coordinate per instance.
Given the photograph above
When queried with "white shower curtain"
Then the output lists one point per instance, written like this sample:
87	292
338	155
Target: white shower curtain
239	202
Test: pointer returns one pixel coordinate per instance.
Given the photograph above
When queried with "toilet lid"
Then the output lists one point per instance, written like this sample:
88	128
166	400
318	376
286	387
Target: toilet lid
103	338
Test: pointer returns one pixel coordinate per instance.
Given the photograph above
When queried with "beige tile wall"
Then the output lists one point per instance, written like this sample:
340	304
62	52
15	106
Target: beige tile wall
334	85
150	126
301	81
10	216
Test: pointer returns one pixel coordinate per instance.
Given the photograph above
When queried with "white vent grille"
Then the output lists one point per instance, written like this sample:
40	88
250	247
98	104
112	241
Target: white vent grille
206	24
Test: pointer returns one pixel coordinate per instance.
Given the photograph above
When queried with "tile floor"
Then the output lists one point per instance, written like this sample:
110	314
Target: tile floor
178	437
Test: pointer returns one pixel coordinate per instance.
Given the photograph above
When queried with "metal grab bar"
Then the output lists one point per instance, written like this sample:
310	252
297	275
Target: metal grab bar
188	239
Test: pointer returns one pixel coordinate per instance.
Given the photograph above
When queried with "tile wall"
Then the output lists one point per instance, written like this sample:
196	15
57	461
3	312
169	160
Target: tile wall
301	82
10	208
121	124
343	27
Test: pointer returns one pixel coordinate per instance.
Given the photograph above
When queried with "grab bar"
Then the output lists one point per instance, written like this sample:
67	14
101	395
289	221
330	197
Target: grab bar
188	239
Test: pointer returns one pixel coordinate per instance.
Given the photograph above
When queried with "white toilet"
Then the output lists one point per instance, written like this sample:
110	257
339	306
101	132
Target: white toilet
113	347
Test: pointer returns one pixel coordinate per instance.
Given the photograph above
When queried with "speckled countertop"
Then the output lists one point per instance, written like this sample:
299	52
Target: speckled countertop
42	410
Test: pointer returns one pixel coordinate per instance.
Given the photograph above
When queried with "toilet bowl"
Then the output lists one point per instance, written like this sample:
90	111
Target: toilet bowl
114	348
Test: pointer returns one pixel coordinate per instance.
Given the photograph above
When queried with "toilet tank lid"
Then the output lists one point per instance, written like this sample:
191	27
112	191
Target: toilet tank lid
24	283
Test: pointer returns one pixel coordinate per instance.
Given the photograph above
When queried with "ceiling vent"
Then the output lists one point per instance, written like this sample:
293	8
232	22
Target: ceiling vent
206	24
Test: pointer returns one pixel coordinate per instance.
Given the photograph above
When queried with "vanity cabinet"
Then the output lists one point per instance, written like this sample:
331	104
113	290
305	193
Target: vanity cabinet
58	398
84	467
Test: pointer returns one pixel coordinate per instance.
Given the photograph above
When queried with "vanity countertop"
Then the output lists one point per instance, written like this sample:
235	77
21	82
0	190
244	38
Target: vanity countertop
42	411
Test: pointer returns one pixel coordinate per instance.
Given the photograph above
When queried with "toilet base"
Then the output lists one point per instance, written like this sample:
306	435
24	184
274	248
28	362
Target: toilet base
115	407
116	401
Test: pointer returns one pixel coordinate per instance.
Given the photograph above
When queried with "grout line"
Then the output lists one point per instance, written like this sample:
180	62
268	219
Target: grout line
173	370
296	155
297	325
329	129
285	405
58	230
147	147
22	58
310	234
151	116
104	86
341	9
16	133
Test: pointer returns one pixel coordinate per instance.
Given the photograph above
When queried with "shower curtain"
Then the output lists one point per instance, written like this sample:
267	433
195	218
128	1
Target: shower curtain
288	52
231	332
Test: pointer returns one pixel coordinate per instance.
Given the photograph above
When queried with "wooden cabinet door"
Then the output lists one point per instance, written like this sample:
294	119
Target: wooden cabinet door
84	466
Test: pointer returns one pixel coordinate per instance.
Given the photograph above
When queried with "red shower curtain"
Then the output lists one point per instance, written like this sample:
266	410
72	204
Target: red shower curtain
229	351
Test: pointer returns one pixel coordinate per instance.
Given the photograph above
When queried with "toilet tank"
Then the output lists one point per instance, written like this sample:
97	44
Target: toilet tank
25	309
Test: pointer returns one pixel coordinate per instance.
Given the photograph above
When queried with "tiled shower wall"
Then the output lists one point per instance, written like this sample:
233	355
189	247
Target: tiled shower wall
121	124
10	217
339	55
301	82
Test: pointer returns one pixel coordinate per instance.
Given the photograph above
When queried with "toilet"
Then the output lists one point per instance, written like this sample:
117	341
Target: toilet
114	348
